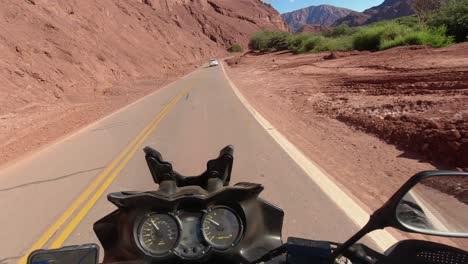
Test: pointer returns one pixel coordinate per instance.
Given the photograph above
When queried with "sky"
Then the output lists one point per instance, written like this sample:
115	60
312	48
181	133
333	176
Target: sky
284	6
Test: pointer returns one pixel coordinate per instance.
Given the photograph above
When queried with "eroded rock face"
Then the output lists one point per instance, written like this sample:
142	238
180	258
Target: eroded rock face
54	50
324	15
67	63
389	9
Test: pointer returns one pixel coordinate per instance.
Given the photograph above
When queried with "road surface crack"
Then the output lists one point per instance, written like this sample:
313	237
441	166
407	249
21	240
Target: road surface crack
49	180
109	127
8	259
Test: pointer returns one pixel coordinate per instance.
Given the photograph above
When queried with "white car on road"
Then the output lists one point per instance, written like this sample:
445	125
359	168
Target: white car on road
214	62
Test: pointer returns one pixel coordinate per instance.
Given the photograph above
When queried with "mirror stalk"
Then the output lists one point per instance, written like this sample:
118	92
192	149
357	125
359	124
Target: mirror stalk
376	221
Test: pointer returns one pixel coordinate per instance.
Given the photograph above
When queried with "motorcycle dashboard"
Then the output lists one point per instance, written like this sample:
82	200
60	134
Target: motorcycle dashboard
188	235
230	225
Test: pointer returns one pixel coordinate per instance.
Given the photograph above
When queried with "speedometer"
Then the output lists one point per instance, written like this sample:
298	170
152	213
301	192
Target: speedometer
158	233
222	228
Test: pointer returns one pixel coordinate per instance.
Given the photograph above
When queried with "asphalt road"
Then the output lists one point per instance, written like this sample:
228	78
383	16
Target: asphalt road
189	122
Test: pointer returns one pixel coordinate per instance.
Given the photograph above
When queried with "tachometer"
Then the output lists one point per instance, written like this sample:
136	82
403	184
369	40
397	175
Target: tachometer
158	233
221	228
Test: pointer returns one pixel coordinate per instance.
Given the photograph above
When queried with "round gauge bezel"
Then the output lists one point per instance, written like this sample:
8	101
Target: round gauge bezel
139	223
239	235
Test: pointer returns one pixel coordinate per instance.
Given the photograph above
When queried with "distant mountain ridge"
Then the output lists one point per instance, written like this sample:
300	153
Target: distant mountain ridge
325	15
389	9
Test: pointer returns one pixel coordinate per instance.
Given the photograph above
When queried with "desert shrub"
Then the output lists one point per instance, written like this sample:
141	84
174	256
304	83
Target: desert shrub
433	38
454	17
335	44
269	40
367	39
339	31
310	43
279	41
296	42
372	36
409	21
235	48
259	40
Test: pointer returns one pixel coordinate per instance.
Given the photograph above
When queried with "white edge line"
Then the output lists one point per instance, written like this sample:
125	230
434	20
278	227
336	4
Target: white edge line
359	216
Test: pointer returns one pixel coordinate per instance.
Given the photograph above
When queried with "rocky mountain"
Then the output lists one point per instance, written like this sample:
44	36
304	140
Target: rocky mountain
55	51
322	15
354	19
389	9
314	28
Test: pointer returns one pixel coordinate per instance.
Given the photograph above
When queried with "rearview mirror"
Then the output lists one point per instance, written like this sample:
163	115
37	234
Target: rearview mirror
436	205
431	202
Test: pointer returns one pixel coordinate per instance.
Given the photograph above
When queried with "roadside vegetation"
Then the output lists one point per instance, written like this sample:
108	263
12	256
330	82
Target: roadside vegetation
235	48
437	28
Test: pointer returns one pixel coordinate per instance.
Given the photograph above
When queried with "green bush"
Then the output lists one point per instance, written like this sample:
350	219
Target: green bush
454	17
433	38
235	48
310	43
409	21
279	41
391	34
269	40
260	40
367	39
296	42
335	44
339	31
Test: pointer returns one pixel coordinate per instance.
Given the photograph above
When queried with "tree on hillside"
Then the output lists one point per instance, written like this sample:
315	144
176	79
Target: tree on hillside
423	8
453	16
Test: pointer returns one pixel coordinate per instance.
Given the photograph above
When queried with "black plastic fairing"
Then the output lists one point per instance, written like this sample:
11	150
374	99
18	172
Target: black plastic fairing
423	252
264	223
238	192
113	232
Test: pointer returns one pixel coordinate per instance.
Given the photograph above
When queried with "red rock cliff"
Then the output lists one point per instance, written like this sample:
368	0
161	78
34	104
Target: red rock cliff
50	48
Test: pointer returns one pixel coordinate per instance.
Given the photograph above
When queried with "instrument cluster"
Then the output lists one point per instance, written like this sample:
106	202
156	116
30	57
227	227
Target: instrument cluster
189	235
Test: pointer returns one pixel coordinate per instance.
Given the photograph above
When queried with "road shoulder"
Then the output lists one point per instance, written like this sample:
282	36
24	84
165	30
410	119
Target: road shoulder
336	193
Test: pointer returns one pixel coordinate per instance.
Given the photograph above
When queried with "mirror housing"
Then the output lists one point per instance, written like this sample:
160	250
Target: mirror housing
434	206
386	216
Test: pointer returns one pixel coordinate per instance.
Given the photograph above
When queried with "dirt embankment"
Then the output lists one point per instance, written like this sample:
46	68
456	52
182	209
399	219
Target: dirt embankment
67	63
412	97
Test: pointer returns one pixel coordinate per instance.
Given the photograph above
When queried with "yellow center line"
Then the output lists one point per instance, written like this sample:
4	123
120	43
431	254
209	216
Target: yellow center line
84	196
87	207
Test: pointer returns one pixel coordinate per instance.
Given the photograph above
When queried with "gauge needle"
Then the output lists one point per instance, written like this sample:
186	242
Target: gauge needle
214	222
155	225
